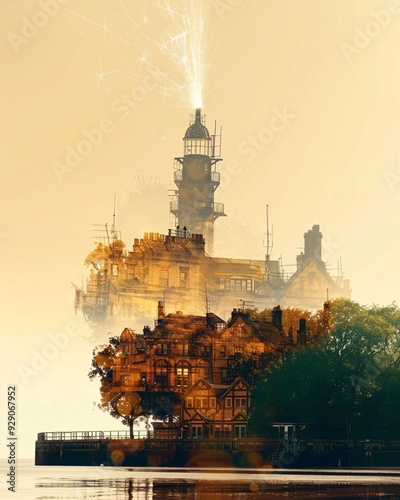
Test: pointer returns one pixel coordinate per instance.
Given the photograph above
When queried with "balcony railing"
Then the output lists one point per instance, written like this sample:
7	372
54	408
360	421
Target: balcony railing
219	208
173	206
178	175
215	177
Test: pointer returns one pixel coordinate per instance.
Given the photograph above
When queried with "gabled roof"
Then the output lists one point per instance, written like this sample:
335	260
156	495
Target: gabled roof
198	384
198	415
213	319
265	331
313	265
239	315
179	325
217	389
233	384
128	335
240	416
265	288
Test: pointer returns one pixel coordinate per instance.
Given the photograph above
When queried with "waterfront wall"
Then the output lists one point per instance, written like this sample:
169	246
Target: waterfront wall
250	452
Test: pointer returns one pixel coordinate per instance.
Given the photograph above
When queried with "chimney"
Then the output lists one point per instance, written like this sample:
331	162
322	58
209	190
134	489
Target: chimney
277	317
300	260
302	332
313	243
161	314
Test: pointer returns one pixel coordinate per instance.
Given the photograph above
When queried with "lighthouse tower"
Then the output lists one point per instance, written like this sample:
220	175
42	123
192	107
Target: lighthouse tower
196	178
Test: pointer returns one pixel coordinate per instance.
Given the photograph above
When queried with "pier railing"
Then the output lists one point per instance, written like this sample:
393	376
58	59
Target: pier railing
84	435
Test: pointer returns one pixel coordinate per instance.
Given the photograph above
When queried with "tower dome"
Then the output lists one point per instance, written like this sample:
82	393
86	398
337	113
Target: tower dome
197	130
197	140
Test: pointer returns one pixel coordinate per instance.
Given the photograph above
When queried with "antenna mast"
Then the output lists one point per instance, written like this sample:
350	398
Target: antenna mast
207	300
269	245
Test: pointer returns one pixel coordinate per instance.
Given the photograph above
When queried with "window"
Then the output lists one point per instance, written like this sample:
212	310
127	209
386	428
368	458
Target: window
124	361
201	403
213	402
228	402
204	371
182	374
197	147
240	403
114	269
162	373
125	349
207	350
225	284
197	431
240	431
163	277
183	277
236	285
222	351
189	402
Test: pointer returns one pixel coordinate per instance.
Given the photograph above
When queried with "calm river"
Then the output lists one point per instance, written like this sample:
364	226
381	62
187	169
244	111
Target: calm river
160	483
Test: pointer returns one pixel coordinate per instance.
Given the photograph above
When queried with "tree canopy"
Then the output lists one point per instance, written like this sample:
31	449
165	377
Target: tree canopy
127	406
345	384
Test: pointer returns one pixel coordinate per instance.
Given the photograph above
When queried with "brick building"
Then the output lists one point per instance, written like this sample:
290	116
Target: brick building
201	367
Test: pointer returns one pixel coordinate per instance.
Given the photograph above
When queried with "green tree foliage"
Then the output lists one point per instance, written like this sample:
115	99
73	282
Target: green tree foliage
347	383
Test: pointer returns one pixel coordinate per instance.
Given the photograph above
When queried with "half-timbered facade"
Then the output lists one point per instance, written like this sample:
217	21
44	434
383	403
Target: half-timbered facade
201	366
215	410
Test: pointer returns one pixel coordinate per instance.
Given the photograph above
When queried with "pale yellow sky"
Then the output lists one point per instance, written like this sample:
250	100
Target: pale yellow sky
307	93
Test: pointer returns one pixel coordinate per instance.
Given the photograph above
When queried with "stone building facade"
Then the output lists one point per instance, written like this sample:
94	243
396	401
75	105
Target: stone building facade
178	267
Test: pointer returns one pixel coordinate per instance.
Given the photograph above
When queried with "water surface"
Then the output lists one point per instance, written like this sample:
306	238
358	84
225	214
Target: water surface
163	483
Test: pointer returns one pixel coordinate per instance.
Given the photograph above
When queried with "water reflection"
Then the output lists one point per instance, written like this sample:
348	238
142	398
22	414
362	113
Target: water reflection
206	486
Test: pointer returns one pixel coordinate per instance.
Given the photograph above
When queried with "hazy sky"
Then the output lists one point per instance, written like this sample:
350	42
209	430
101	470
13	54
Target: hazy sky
307	93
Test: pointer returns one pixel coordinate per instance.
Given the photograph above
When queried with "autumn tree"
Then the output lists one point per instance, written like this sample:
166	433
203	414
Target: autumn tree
126	406
99	257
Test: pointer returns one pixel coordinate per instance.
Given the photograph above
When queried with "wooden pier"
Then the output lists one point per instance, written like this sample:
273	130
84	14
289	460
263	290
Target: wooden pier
114	448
